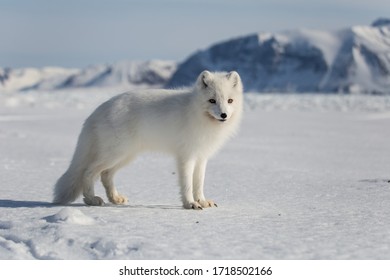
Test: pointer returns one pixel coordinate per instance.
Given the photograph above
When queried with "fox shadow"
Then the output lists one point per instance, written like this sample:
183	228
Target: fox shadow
9	203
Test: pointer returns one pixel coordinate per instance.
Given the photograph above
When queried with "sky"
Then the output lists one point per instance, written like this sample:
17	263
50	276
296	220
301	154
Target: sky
77	33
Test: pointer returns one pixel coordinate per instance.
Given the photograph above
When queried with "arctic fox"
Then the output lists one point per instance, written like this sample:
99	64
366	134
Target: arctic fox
191	124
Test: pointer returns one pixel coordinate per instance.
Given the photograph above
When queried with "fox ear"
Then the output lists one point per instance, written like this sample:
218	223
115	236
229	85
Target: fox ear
233	77
204	78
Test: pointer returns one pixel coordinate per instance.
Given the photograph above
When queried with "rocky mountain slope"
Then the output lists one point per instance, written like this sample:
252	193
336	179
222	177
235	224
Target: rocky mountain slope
355	59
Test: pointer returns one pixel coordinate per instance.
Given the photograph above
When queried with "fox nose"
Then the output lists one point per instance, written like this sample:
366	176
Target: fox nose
223	115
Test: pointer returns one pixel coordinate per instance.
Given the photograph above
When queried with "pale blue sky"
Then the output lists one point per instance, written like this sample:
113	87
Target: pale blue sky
76	33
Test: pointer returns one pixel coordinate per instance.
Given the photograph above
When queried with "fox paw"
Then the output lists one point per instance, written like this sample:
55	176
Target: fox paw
207	203
200	204
193	205
94	201
118	199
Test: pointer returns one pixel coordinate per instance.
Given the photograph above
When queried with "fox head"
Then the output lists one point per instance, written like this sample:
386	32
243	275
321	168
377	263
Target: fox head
221	94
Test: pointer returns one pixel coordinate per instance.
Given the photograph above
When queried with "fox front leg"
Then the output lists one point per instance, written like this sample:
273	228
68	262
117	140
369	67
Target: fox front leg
198	184
186	173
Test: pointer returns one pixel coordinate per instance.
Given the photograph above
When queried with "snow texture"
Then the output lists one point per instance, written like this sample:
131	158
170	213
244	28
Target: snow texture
307	177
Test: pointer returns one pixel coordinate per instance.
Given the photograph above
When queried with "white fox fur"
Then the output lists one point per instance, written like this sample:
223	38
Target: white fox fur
191	124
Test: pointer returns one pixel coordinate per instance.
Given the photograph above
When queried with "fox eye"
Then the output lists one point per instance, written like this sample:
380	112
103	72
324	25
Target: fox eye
230	101
212	100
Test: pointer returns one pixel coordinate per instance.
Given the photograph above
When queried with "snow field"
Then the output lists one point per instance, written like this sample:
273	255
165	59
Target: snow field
305	178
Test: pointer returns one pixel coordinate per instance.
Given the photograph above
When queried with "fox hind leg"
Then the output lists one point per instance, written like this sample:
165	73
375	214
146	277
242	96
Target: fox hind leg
88	189
107	178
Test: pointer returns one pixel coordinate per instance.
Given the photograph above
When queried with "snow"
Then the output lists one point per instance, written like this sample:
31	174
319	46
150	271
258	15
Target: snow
71	216
328	42
306	178
29	77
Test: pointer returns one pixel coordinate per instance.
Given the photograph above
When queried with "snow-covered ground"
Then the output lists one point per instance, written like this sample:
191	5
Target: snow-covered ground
306	178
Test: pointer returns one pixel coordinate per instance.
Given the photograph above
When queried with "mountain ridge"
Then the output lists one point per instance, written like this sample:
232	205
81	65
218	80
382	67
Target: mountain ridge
350	60
125	74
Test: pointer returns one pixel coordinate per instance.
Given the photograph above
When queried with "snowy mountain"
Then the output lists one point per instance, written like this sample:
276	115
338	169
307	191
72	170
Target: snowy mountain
351	60
153	73
355	59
